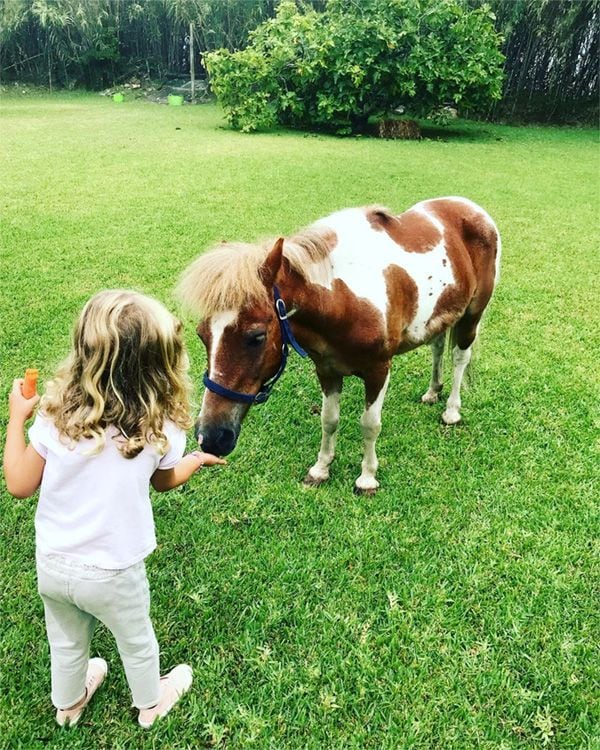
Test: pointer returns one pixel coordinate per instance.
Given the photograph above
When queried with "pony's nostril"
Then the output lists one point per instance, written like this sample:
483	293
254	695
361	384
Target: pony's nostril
226	440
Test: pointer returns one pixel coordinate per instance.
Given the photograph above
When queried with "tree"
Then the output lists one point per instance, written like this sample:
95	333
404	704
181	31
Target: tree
97	42
334	69
552	50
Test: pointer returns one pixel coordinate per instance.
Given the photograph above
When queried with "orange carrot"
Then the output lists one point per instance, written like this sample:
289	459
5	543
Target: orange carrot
29	388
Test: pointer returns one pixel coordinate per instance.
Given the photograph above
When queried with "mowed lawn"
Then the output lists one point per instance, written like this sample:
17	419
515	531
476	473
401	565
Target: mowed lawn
458	607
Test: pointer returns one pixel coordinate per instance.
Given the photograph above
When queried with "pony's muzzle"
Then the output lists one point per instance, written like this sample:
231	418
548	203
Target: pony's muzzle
219	440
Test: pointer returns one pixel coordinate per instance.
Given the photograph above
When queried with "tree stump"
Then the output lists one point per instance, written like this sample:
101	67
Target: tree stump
405	129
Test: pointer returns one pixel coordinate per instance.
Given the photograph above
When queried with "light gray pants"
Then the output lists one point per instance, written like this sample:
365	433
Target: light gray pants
76	597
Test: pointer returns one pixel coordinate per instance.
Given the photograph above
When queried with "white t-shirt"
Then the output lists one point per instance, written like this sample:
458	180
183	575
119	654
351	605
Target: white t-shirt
96	508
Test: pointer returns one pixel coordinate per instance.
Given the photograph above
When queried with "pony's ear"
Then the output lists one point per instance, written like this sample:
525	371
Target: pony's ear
272	263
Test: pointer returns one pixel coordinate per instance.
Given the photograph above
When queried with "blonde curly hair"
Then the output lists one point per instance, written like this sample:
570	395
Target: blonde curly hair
127	369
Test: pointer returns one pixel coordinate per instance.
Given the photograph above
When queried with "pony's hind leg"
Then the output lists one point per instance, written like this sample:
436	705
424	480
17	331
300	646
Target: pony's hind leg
460	359
464	332
437	344
376	384
463	336
330	417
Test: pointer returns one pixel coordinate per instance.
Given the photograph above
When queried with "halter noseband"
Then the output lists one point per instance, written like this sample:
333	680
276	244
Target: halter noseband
287	339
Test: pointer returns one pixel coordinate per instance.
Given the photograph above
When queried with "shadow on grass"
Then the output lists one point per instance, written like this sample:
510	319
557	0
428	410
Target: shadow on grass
460	131
468	132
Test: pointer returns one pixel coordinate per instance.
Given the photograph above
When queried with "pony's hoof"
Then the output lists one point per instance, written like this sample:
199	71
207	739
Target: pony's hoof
430	398
366	486
450	417
310	481
365	491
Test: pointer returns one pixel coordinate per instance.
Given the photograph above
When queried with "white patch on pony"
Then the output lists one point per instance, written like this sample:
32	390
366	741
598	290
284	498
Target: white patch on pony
431	277
362	254
498	256
420	209
359	258
218	325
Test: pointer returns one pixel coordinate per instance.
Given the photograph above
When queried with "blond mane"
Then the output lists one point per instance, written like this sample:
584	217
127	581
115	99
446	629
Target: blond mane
228	276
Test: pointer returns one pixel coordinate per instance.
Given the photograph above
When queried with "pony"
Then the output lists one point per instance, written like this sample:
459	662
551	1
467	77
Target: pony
351	291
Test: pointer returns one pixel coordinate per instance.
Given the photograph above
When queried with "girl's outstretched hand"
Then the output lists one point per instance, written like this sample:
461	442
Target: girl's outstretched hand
167	479
207	459
19	407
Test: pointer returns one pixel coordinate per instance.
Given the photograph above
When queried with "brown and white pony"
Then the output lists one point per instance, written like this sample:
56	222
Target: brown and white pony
360	286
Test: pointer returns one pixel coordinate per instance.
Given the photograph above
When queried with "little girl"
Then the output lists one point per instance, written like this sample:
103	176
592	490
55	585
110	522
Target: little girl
112	421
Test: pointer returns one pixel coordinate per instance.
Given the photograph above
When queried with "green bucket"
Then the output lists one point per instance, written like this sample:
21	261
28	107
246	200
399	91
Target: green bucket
174	100
118	98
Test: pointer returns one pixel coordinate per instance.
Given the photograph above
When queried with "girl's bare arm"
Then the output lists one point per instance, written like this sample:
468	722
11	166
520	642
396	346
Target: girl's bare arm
23	465
167	479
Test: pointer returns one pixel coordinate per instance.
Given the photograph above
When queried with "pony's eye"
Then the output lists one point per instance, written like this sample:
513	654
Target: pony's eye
256	339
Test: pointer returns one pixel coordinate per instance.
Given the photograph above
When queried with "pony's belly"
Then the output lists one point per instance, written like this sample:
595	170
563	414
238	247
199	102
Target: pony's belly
335	360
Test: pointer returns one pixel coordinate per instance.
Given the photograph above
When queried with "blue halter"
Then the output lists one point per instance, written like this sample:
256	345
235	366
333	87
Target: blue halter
287	339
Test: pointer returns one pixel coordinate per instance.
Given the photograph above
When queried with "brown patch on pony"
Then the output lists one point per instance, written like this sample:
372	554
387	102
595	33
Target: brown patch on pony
411	230
478	234
248	369
403	298
455	297
472	244
449	308
354	337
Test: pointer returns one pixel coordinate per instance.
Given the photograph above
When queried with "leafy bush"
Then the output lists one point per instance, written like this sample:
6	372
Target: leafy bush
334	69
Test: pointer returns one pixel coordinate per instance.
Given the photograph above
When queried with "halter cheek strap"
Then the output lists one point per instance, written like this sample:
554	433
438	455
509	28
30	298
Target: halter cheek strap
287	339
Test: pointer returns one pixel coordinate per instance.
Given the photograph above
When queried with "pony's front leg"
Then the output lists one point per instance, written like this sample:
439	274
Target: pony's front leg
376	384
330	417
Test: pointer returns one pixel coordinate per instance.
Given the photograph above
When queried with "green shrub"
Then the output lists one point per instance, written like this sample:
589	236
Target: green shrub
335	69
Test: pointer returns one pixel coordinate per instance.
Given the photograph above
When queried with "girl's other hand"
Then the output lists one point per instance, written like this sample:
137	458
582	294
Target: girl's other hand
19	407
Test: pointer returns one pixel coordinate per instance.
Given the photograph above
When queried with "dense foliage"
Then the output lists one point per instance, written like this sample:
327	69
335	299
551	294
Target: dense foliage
552	53
335	69
551	46
97	42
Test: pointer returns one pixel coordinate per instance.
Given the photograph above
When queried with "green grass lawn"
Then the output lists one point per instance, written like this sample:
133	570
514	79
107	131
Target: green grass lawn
457	608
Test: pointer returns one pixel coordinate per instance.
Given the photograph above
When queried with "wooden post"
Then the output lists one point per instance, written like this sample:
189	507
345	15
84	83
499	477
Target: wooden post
192	69
49	61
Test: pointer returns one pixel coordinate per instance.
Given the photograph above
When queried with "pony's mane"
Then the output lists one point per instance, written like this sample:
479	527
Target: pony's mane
223	278
308	250
228	276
